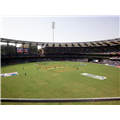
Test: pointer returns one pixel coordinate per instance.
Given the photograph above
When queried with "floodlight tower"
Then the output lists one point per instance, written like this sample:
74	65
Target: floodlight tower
53	27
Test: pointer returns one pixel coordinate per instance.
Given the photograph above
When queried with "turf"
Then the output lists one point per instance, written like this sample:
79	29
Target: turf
60	82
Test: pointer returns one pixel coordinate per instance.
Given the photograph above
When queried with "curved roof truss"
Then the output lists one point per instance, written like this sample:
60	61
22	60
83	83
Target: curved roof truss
109	42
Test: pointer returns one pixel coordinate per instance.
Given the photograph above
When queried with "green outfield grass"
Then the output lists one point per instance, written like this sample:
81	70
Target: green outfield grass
60	82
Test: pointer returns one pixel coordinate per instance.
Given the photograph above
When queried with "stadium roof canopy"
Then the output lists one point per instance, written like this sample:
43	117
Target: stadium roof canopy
109	42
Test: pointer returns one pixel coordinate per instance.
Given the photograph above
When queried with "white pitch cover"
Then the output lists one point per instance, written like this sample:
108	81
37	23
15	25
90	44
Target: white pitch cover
8	74
94	76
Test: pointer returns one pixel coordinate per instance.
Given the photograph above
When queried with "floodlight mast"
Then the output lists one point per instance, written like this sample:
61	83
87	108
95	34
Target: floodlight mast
53	27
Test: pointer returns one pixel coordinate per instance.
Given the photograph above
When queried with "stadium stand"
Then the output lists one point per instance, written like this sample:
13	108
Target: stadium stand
79	50
110	62
106	51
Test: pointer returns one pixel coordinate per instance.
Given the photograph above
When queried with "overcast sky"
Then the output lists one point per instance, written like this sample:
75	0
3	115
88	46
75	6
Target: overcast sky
67	28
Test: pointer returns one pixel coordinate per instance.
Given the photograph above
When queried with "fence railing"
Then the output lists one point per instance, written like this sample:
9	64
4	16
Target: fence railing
60	100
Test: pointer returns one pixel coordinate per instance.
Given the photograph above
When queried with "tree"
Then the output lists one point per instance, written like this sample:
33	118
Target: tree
25	46
40	51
